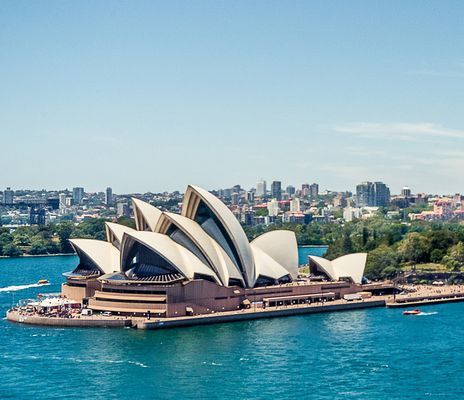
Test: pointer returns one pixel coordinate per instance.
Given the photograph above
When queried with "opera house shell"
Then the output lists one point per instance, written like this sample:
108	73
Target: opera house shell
350	266
198	261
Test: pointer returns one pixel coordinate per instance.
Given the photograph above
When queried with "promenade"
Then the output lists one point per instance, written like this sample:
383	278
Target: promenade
420	295
416	295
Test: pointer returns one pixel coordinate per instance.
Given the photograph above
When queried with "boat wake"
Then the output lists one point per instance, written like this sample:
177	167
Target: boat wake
425	314
15	288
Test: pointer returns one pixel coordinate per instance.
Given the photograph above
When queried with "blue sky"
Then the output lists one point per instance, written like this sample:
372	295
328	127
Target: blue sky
151	96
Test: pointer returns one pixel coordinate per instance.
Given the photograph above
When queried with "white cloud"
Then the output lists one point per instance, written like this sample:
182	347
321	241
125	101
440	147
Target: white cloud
399	131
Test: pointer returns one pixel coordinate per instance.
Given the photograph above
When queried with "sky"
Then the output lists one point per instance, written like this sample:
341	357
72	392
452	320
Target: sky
151	96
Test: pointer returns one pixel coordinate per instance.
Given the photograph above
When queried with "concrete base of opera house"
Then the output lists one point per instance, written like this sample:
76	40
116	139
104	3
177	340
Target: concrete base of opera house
231	316
245	315
81	322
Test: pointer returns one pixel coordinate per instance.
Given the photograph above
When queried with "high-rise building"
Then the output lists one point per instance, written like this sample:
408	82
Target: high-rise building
261	188
8	196
314	190
62	197
251	196
235	198
227	194
109	197
78	195
276	190
406	192
290	190
122	210
365	196
382	194
295	205
457	200
305	189
372	194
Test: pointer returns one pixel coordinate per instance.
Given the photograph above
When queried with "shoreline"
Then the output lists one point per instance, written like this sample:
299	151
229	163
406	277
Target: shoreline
304	246
100	321
206	319
40	255
315	246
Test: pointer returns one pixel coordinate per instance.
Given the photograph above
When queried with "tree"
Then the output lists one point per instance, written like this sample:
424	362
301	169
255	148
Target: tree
436	256
38	246
442	238
11	250
126	221
382	263
415	247
5	239
455	257
64	231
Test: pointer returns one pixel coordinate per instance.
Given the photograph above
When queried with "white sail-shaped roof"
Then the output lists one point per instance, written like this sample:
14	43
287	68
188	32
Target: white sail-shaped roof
325	266
103	254
348	266
266	266
146	216
214	254
281	246
115	232
351	265
178	256
229	224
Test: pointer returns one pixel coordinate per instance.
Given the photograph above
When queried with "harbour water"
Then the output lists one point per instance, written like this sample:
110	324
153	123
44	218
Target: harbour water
366	354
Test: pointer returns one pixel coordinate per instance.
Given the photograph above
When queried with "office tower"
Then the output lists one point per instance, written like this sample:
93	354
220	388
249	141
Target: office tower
406	192
251	196
382	194
261	188
78	195
227	194
305	189
290	190
372	194
314	190
365	194
235	198
295	206
8	196
276	190
109	197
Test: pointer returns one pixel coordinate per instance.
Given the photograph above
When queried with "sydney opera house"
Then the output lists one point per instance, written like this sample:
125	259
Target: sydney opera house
199	262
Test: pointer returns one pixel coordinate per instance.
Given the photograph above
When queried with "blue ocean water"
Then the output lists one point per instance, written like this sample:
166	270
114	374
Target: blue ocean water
304	252
367	354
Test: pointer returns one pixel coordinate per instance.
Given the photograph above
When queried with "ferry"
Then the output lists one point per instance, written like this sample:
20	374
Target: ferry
412	312
42	282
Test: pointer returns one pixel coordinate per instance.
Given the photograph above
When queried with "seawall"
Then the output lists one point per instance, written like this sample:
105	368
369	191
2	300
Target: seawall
91	322
251	315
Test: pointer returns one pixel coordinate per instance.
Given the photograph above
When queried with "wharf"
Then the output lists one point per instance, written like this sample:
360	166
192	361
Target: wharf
250	314
426	300
82	321
232	316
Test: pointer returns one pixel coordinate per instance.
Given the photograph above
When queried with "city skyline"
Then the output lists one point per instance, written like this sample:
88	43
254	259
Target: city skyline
308	189
228	92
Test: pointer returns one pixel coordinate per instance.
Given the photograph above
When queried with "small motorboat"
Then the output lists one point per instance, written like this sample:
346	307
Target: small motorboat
42	282
411	312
